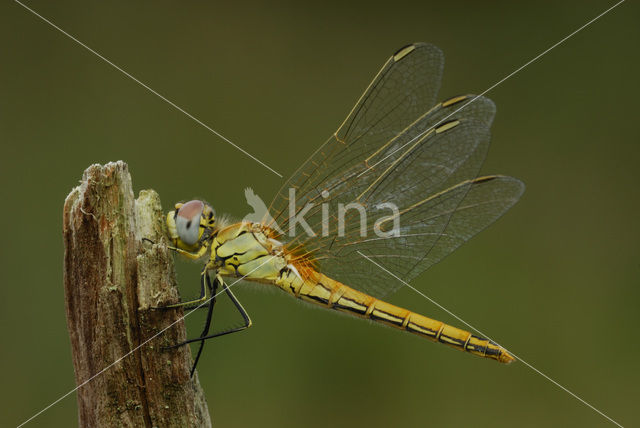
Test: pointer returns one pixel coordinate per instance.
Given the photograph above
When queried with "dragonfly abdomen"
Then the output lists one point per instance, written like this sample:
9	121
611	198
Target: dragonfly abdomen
322	290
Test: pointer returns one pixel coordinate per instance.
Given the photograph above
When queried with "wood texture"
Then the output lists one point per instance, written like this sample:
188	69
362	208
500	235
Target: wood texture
111	281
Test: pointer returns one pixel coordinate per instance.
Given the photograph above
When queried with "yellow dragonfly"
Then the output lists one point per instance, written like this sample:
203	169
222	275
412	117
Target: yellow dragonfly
399	157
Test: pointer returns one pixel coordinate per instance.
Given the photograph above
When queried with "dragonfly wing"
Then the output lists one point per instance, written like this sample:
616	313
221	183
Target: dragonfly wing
405	88
437	228
486	200
378	161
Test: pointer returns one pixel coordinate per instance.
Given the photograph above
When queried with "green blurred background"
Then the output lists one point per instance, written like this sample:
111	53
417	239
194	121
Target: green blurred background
556	280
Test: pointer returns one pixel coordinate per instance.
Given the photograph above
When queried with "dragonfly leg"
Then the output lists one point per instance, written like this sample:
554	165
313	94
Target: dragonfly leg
237	304
197	303
212	289
193	256
205	331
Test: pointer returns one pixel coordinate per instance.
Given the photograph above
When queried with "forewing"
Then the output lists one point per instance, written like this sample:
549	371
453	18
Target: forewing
424	166
404	89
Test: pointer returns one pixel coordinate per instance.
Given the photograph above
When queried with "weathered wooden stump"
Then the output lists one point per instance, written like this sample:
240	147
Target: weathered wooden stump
111	281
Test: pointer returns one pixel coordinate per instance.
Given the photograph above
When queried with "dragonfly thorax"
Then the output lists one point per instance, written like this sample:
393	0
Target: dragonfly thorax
245	249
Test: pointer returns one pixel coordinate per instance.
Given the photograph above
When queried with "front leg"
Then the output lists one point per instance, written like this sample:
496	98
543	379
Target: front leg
207	324
204	335
193	256
205	293
245	316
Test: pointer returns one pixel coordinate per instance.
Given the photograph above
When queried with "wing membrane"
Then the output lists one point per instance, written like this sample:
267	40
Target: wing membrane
396	149
405	88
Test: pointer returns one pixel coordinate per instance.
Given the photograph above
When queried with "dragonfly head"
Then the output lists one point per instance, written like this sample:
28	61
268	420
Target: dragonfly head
190	225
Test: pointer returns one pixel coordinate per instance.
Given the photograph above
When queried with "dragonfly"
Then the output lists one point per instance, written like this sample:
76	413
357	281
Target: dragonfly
398	152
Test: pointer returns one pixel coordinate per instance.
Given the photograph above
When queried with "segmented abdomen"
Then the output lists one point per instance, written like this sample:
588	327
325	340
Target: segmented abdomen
322	290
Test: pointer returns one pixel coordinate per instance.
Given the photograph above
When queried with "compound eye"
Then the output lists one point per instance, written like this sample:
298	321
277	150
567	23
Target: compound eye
188	221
